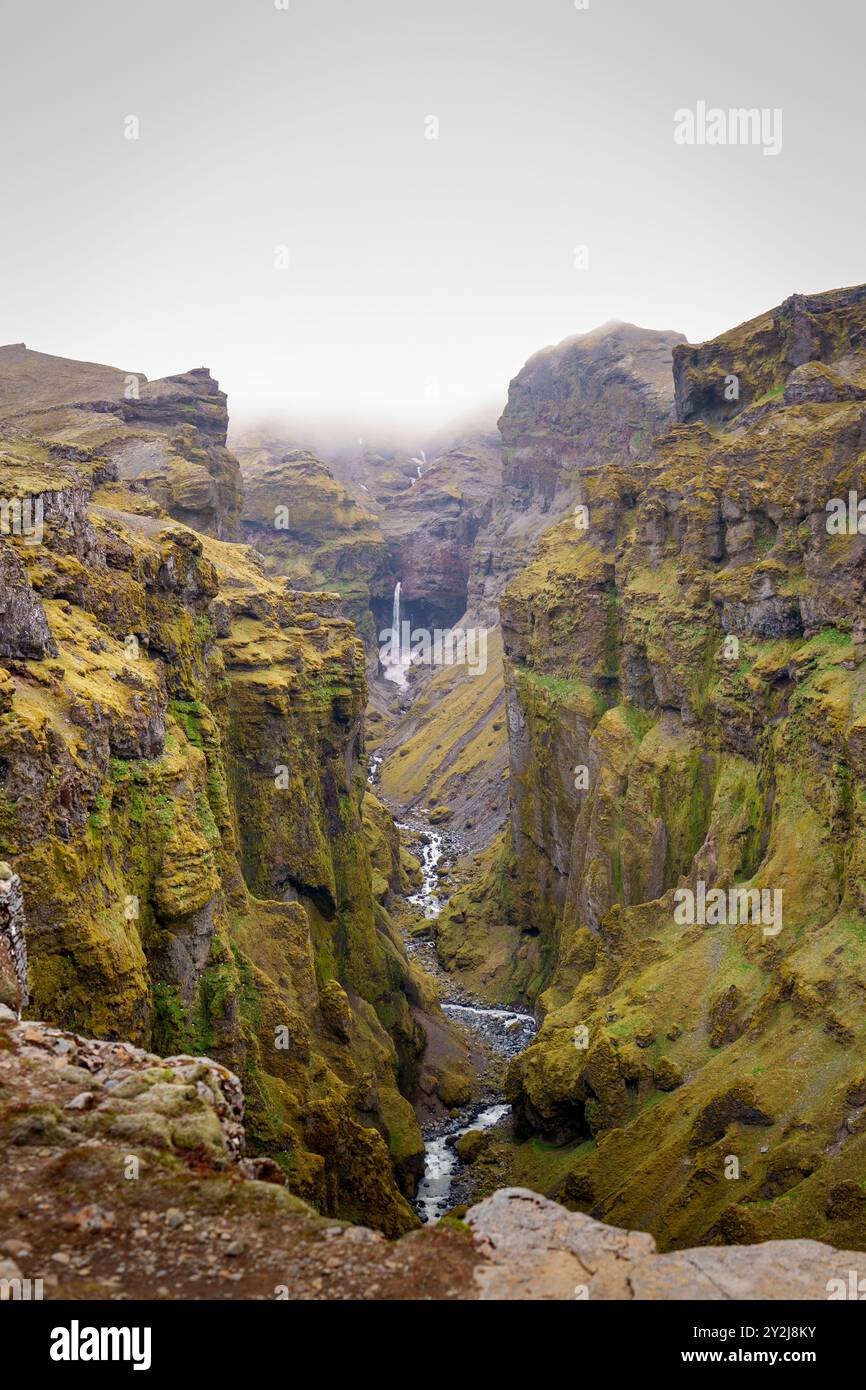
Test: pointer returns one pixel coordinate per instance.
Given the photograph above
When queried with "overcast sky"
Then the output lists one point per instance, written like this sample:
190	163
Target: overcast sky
421	272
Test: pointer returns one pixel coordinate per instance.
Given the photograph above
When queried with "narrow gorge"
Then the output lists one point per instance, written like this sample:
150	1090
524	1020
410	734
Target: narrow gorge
451	857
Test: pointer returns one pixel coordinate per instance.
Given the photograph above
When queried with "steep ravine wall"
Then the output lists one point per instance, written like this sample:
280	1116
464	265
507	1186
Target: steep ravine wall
595	401
685	679
181	785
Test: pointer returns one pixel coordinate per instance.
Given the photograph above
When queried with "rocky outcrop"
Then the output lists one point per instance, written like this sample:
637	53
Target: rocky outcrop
683	675
165	437
181	780
595	400
178	1105
24	630
810	349
307	526
535	1249
13	949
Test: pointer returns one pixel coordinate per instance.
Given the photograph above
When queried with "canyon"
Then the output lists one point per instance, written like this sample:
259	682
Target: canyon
290	931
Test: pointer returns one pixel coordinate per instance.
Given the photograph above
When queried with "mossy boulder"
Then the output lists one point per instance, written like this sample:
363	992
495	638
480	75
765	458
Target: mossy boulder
471	1146
667	1075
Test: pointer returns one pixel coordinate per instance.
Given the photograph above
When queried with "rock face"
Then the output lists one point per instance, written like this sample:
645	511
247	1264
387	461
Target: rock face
595	399
24	630
810	348
535	1249
13	949
168	436
431	527
181	786
683	675
308	527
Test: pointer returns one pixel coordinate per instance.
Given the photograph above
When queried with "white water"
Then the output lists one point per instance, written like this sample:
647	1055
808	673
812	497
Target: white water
504	1030
441	1164
419	467
394	668
428	897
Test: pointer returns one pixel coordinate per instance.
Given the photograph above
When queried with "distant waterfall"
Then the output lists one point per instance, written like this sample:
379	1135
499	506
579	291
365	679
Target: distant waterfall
395	626
396	644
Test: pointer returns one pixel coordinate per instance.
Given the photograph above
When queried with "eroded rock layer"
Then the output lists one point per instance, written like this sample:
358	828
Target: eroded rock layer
182	780
685	677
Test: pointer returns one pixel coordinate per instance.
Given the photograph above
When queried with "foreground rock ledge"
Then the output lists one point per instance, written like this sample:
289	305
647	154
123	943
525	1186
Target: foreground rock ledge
192	1218
533	1248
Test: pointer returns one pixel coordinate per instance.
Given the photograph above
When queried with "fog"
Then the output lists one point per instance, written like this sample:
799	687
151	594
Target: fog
284	215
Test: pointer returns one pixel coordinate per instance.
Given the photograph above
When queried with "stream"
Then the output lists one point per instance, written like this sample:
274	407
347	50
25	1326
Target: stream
504	1031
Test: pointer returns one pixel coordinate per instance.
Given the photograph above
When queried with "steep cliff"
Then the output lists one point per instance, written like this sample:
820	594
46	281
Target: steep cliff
431	528
181	786
167	435
596	399
308	527
684	669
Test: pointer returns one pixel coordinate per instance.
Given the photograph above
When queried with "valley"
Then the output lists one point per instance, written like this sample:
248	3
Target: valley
288	757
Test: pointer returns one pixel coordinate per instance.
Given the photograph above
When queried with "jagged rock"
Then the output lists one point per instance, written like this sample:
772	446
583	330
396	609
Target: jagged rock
683	686
24	631
13	949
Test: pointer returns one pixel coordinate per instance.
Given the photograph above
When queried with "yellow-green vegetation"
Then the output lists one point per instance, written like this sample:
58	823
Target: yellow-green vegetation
482	937
447	756
307	526
686	685
181	740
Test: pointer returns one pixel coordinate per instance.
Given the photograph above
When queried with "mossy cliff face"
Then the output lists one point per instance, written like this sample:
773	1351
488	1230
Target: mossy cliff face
169	436
685	679
307	526
182	768
809	347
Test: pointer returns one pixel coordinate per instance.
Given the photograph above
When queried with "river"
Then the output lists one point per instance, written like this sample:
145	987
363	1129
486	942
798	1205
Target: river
504	1031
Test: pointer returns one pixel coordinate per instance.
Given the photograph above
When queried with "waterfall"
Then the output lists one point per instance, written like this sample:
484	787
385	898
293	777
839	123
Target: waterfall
395	654
396	651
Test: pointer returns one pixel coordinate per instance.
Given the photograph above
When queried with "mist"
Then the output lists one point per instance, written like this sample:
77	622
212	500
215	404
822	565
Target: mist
370	215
